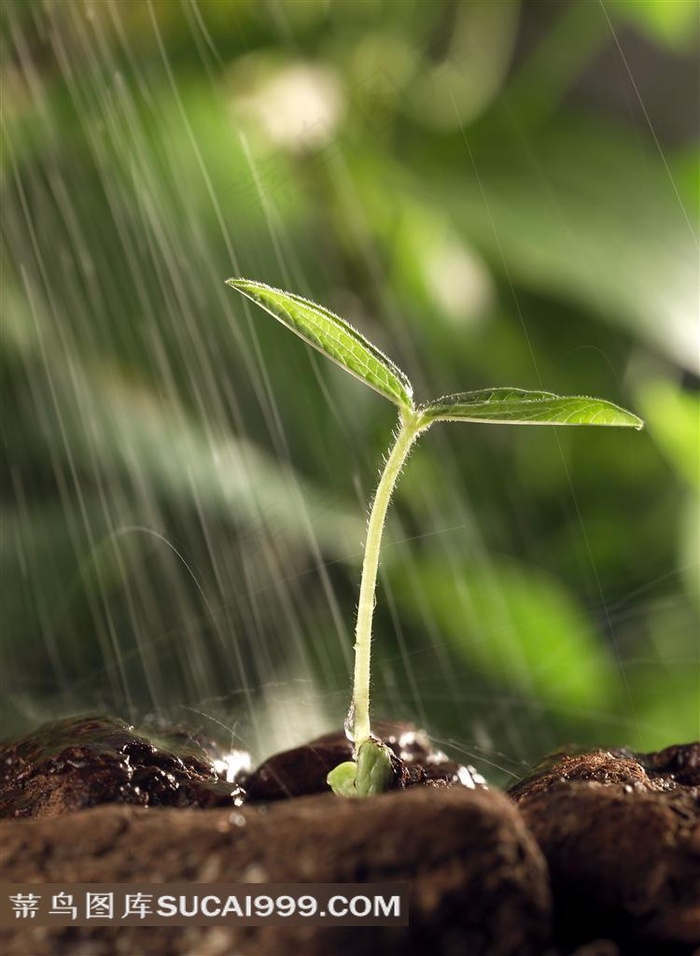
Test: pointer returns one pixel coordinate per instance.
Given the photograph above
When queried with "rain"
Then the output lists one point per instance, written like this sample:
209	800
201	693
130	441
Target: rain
186	486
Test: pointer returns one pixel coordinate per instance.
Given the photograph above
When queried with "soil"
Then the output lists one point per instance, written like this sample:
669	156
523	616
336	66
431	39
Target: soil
621	835
596	854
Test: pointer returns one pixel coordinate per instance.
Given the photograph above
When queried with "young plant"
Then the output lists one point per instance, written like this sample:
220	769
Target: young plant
370	771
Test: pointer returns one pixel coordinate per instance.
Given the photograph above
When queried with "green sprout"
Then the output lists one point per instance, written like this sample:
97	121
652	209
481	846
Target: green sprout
370	771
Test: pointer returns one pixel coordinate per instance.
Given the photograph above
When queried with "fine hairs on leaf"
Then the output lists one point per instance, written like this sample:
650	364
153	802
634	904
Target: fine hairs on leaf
370	771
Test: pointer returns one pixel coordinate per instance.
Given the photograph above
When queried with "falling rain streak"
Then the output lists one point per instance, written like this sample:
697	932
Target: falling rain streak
185	495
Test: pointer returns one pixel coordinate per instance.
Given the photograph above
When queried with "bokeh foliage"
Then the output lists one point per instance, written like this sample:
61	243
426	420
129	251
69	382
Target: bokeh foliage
185	486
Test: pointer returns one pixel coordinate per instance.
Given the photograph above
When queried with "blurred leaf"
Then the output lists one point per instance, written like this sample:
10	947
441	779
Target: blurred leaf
332	336
514	624
690	547
587	214
686	173
454	90
102	424
577	212
436	271
43	568
64	565
664	680
517	406
671	714
674	423
667	21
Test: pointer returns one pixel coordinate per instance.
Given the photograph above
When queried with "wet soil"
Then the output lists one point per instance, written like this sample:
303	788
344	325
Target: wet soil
83	762
303	770
621	835
596	854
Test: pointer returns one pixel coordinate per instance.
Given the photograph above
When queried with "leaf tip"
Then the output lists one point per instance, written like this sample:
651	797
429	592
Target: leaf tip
630	420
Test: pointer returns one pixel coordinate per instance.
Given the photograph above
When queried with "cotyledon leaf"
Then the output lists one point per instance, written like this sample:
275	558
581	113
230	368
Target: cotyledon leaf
333	336
519	406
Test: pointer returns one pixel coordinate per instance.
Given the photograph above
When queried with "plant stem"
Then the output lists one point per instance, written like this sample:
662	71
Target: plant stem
405	436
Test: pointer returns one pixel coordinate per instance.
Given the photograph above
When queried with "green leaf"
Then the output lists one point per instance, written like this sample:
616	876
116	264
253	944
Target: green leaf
333	336
517	406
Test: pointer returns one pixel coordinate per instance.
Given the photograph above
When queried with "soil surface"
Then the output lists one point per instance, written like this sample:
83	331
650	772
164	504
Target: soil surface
77	763
72	764
595	854
478	880
621	835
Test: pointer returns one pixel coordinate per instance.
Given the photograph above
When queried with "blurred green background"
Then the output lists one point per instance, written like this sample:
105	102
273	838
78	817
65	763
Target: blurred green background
497	194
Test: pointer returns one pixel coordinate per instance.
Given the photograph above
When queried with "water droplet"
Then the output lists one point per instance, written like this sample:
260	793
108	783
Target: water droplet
349	723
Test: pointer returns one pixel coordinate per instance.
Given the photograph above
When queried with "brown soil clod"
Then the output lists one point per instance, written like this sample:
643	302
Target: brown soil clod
621	835
83	762
478	883
303	770
613	836
73	764
670	769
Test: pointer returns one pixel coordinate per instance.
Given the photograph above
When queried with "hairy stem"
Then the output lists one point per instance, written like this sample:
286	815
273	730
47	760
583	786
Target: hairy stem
405	436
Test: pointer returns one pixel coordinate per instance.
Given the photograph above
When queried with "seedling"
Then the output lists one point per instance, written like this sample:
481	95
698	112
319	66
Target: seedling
370	771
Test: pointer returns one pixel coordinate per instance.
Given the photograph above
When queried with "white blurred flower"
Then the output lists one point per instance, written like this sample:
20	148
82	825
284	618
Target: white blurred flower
297	106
